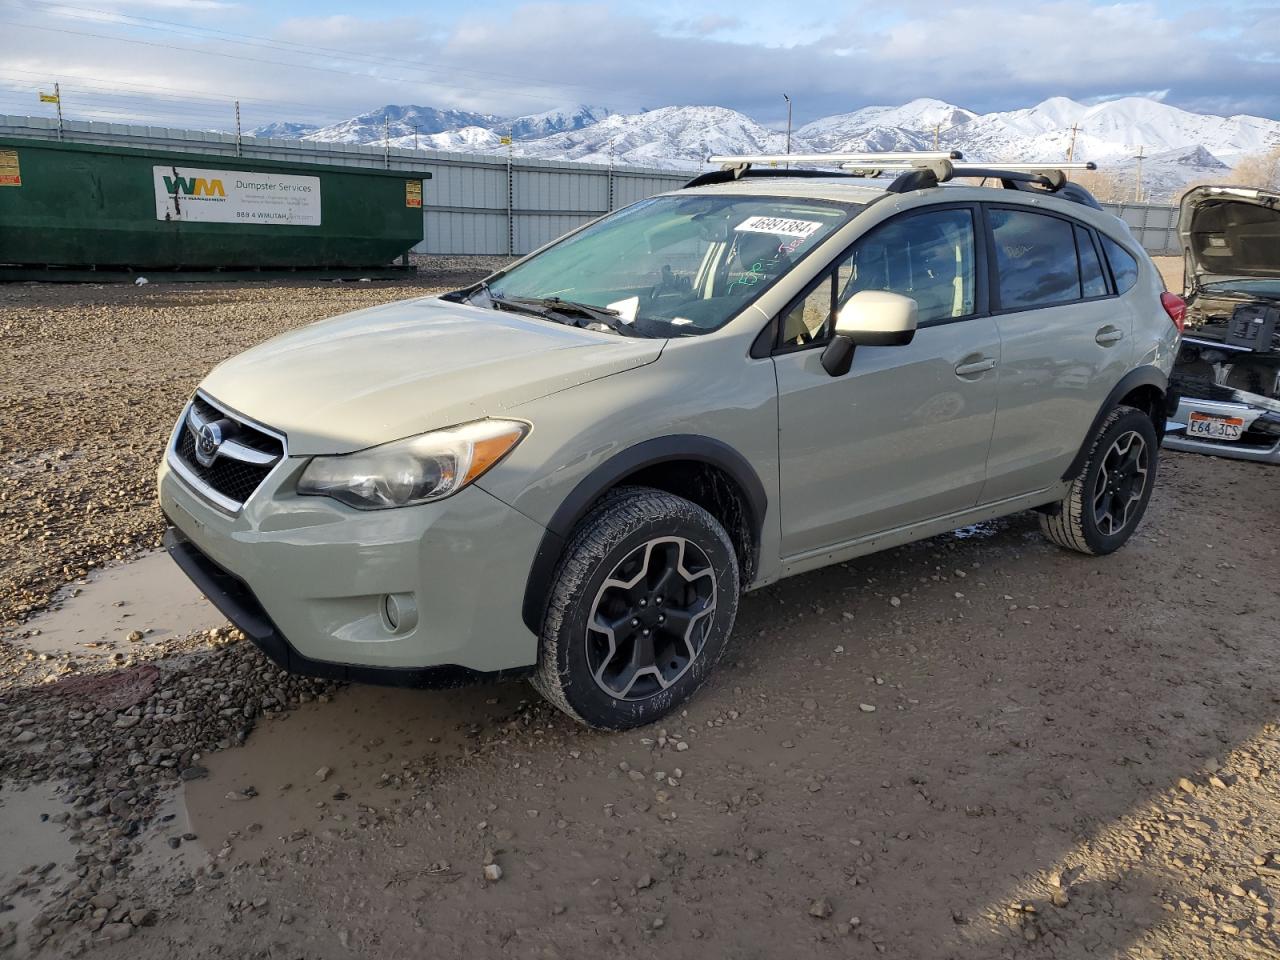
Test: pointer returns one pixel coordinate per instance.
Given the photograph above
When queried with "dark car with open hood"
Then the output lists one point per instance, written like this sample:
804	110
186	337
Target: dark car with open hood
1228	369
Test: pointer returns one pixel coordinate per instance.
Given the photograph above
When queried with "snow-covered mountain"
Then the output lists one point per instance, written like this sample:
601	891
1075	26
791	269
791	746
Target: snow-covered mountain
284	130
678	138
537	125
909	127
1178	146
399	124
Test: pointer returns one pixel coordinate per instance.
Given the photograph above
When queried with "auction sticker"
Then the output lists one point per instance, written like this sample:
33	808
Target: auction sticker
778	226
236	196
10	172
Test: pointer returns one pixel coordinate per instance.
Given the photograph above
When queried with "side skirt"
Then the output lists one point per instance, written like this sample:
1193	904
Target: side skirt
815	559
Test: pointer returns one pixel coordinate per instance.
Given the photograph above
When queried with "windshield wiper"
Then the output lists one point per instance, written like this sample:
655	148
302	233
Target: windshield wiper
546	306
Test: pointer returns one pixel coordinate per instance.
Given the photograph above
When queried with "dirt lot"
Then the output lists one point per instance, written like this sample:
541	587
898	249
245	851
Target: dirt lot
977	746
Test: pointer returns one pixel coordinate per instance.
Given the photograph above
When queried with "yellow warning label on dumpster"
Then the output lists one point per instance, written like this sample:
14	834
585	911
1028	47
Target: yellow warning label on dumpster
413	193
10	172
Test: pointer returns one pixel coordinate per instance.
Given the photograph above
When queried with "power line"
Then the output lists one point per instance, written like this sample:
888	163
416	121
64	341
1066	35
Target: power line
196	31
164	91
274	63
259	59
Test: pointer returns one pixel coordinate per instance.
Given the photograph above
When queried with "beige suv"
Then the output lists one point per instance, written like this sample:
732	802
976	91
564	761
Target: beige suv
573	469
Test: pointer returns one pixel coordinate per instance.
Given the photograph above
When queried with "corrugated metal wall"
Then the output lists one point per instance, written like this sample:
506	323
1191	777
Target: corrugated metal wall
474	204
1155	225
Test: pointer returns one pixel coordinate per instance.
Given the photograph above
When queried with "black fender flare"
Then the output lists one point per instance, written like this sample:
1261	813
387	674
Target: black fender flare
604	477
1144	376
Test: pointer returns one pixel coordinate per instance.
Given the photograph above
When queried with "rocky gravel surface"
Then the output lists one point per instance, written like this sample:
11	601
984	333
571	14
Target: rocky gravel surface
92	378
978	746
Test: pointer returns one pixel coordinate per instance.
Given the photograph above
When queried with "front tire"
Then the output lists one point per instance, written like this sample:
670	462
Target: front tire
641	608
1106	501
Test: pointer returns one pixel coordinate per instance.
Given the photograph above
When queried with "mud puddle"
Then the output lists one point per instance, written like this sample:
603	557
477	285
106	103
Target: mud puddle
325	765
35	853
151	595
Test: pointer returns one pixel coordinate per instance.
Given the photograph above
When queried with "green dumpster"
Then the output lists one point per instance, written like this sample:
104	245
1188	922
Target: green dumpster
89	206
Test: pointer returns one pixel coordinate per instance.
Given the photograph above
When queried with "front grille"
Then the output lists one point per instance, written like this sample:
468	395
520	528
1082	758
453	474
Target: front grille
245	458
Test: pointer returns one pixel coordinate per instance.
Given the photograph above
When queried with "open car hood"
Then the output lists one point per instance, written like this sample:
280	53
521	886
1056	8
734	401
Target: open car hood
1229	233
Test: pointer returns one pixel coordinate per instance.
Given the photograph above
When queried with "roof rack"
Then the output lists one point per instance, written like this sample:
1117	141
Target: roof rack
864	157
917	170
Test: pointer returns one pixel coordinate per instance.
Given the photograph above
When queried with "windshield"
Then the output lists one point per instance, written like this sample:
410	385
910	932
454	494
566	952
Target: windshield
1250	288
671	265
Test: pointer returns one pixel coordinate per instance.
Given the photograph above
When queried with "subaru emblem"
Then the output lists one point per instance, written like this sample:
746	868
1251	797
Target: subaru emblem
208	440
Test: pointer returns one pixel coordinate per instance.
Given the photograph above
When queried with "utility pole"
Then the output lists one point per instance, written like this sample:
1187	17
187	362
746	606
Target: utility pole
788	99
386	141
511	189
55	98
238	149
1137	186
937	134
415	136
1071	150
611	143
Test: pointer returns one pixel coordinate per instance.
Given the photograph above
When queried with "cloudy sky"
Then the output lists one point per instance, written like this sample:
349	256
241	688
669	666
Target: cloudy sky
181	62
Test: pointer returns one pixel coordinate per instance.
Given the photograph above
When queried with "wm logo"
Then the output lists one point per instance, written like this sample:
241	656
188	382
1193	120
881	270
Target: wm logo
194	187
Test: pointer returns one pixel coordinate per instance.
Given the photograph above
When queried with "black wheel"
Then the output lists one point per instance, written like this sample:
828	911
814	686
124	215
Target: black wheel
641	607
1106	501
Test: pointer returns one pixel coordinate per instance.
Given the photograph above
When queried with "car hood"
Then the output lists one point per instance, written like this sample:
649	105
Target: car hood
403	368
1229	233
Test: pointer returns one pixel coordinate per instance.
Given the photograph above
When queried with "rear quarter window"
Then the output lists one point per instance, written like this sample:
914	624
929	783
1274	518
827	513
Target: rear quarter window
1123	266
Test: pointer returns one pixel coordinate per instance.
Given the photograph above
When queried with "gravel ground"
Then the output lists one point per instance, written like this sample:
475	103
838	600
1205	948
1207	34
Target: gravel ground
976	746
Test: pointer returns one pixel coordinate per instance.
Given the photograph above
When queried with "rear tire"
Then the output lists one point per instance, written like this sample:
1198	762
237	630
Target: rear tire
1106	501
641	608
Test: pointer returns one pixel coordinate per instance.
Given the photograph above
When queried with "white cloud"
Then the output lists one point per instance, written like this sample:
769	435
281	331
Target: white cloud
996	54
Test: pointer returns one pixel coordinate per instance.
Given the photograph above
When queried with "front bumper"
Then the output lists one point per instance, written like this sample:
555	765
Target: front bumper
317	573
1261	440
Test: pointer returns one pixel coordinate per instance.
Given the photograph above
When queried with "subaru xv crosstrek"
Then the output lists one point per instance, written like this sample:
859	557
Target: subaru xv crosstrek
575	468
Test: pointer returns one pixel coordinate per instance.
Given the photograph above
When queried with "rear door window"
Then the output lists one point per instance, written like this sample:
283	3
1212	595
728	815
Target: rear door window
1035	259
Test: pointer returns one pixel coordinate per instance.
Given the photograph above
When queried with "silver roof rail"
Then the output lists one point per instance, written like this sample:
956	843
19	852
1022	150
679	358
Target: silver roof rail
835	159
960	167
916	169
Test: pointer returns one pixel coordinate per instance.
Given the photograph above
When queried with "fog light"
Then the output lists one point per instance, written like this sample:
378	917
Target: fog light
400	611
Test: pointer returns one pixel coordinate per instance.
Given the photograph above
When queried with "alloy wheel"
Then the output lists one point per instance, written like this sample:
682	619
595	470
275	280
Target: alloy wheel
1121	482
650	618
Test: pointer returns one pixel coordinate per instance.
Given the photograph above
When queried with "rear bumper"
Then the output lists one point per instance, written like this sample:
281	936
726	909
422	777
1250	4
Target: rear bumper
237	603
1262	431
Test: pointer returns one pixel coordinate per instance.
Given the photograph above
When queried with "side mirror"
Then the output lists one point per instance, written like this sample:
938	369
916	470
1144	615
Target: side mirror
871	318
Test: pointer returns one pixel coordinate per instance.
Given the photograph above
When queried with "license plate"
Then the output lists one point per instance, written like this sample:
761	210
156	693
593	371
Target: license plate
1215	428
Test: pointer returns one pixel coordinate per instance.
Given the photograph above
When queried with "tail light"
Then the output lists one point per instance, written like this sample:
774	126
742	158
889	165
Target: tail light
1175	307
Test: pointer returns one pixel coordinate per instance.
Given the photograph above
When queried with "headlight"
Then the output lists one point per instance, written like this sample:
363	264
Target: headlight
417	470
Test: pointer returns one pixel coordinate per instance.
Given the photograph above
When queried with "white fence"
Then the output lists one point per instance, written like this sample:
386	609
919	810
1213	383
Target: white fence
476	203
